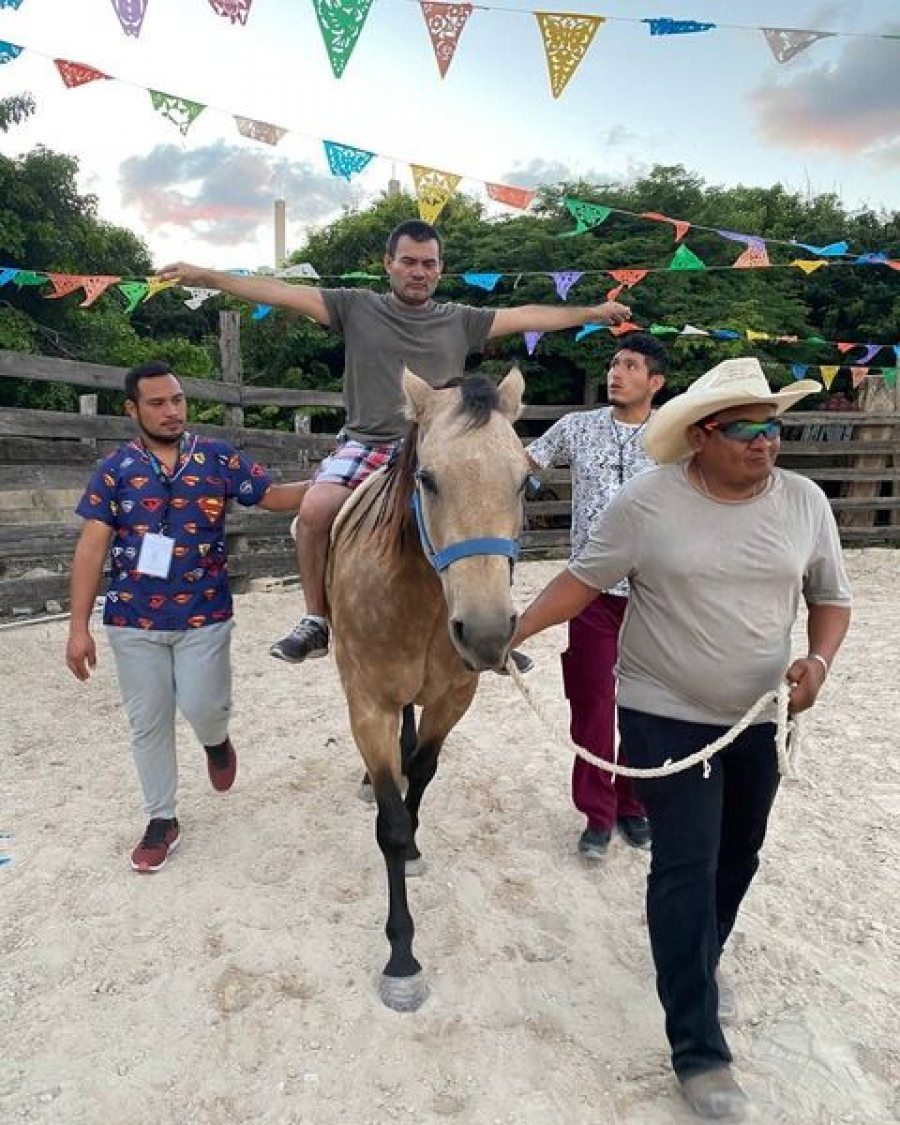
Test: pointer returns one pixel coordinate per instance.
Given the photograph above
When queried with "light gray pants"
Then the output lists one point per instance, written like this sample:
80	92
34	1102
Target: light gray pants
159	670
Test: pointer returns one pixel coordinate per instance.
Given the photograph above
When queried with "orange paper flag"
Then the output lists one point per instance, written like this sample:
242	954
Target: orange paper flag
681	225
77	74
511	196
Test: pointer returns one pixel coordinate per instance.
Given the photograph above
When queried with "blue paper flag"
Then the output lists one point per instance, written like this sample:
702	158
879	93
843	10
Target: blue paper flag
587	330
665	26
798	370
483	280
9	51
10	3
725	334
833	250
873	259
344	160
261	312
7	273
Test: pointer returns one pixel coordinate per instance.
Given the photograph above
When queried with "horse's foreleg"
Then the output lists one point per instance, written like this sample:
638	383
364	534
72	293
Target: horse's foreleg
375	731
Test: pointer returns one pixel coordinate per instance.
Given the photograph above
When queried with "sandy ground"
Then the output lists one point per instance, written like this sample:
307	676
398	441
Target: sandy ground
239	984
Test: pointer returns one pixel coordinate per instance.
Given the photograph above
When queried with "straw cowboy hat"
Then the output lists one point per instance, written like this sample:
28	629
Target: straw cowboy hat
733	382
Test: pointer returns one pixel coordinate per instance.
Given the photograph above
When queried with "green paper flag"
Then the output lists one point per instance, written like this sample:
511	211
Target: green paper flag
341	22
586	215
684	259
134	292
890	373
663	330
27	277
180	111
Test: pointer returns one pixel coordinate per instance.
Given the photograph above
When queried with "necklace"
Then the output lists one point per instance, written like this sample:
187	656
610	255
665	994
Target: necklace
758	489
621	445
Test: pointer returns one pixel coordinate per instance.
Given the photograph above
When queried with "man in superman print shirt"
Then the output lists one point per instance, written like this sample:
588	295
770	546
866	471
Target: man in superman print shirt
156	507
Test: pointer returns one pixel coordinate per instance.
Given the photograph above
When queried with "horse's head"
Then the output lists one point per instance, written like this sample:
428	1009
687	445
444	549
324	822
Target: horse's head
471	478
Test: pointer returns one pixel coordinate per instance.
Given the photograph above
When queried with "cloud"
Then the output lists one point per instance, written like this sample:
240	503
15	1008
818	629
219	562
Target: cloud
222	193
538	172
846	106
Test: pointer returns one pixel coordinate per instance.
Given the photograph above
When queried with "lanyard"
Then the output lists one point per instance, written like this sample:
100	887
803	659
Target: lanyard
167	479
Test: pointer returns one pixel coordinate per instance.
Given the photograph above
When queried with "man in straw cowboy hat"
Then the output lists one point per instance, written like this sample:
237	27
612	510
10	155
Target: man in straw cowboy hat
718	546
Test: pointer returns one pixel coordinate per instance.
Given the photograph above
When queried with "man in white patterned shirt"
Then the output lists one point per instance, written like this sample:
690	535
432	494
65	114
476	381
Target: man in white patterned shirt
604	449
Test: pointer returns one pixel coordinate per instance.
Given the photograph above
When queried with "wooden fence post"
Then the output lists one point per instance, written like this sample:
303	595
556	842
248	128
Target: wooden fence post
232	367
302	425
875	397
87	405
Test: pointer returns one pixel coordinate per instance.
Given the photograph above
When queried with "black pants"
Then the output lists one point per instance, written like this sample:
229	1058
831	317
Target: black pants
707	833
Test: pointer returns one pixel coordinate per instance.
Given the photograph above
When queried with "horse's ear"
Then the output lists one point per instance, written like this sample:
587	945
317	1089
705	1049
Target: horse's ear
418	395
510	392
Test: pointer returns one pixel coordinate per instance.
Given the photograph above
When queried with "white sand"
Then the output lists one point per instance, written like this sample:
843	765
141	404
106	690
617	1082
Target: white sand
239	984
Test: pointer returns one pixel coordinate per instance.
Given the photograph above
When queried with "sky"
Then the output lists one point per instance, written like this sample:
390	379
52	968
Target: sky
717	103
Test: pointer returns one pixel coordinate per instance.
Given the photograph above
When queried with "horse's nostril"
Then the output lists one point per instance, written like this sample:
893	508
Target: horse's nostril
458	630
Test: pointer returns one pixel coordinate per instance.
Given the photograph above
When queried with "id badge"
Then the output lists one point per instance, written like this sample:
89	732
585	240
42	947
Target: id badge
155	558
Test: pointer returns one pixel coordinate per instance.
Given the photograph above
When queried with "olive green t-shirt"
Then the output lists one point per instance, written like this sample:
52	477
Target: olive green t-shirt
715	589
381	334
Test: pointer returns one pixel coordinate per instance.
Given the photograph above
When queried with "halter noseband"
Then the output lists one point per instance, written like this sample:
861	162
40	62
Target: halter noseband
466	549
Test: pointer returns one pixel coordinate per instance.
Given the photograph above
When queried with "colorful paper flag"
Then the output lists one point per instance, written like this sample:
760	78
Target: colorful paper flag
180	111
586	216
531	341
809	265
685	259
345	160
9	51
681	225
798	370
11	4
828	374
134	292
756	256
566	39
786	43
564	280
77	74
131	15
341	22
857	374
199	295
665	26
486	281
833	250
626	279
513	196
299	269
259	130
433	189
7	274
445	23
261	312
234	10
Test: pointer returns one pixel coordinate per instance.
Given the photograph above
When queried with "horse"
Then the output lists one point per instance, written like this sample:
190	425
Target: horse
419	587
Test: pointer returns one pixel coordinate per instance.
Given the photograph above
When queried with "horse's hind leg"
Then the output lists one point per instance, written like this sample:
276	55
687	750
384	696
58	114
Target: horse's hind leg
408	739
402	982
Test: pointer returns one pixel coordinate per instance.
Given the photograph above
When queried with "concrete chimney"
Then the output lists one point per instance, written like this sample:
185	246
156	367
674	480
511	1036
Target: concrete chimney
280	250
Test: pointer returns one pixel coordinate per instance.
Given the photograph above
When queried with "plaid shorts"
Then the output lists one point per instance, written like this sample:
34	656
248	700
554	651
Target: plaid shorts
352	462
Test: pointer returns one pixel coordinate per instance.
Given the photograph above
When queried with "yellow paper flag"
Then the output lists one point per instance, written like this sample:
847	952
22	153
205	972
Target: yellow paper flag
155	284
751	335
566	40
433	189
809	265
828	374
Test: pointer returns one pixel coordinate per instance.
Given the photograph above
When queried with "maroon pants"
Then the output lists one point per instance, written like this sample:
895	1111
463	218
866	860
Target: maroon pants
591	690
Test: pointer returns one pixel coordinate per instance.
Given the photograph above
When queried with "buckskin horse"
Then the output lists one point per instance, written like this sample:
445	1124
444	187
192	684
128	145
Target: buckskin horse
419	581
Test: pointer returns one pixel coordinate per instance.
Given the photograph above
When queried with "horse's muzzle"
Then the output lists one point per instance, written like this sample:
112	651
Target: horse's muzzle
483	644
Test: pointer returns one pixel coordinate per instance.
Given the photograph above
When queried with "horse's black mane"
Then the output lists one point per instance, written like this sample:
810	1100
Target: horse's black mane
390	499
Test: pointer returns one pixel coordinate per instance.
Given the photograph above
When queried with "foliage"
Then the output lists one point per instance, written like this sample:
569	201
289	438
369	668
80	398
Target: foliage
14	110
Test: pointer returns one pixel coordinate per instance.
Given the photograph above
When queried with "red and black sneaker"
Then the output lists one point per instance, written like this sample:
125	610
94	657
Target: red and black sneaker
159	841
221	764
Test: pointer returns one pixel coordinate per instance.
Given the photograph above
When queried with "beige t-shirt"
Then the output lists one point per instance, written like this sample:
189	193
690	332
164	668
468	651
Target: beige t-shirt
715	589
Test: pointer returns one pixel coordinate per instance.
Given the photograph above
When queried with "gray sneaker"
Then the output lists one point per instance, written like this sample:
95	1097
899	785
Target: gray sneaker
308	640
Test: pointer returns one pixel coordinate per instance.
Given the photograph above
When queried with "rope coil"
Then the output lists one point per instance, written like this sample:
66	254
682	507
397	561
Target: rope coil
787	737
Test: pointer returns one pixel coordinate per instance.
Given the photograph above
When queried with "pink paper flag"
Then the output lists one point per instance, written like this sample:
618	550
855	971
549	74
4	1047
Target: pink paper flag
680	225
753	258
857	374
234	10
63	284
95	286
445	23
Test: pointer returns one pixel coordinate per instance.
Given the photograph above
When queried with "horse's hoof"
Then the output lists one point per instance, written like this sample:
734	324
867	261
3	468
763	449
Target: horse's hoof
403	994
415	867
366	793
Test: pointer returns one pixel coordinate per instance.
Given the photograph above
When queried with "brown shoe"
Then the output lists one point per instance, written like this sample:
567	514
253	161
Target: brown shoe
221	764
714	1095
159	841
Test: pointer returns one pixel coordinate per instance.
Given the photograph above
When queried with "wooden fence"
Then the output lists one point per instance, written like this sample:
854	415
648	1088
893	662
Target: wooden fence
46	457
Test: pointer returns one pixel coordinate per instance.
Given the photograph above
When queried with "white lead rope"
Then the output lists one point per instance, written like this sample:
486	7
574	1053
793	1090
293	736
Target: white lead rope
787	737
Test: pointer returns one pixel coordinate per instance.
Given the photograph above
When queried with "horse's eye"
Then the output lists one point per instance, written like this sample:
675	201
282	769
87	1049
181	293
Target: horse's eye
427	481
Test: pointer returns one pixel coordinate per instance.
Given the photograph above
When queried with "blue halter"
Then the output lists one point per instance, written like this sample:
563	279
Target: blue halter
440	560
